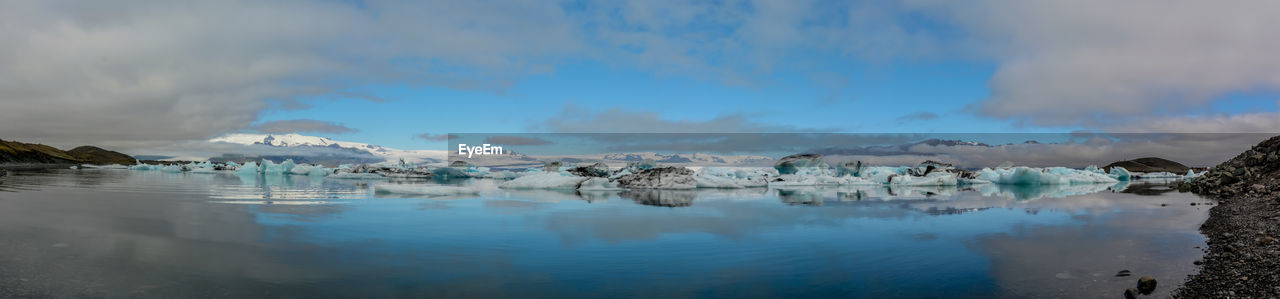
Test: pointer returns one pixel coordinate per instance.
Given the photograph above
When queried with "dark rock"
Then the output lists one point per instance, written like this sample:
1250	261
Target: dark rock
598	170
1146	285
1123	273
659	178
1131	293
793	163
553	166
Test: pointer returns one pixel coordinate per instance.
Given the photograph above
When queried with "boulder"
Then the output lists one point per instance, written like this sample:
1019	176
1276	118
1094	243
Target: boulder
794	163
1146	285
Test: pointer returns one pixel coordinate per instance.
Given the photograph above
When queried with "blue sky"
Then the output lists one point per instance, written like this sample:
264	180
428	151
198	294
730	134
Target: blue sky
138	75
875	99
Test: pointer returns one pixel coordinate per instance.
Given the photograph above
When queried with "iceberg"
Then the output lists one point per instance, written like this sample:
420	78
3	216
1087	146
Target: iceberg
737	177
793	180
802	164
269	167
598	184
931	179
171	168
111	166
660	178
1157	175
1119	173
1042	176
357	176
428	190
248	168
544	181
141	166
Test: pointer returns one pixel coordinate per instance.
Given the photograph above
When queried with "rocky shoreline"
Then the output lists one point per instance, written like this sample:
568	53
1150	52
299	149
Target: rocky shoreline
1243	256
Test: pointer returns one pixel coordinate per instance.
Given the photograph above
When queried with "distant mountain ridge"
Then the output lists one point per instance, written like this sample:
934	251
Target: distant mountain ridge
13	152
293	140
1150	164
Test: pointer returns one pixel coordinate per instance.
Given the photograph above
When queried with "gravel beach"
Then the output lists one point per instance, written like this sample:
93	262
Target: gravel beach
1243	257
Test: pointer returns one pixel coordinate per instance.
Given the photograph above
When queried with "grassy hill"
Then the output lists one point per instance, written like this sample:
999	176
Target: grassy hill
13	152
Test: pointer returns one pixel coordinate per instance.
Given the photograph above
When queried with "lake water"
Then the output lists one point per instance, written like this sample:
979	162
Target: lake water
154	234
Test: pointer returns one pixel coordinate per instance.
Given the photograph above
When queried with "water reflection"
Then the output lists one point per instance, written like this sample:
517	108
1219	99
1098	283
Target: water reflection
120	233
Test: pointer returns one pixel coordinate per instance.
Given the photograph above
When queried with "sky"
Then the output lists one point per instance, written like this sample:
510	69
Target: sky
139	75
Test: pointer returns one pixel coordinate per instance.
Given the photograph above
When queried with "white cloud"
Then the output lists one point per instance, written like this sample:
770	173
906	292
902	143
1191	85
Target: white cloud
1102	63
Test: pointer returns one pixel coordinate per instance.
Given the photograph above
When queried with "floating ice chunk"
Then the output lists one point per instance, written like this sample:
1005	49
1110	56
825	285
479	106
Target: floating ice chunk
357	176
171	168
141	166
203	169
1119	173
75	167
111	166
1157	175
269	167
248	168
881	174
931	179
505	174
802	164
428	190
544	181
734	177
789	180
598	184
660	178
1042	176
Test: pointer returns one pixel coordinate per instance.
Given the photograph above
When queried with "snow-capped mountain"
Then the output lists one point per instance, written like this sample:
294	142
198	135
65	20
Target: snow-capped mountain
296	140
516	160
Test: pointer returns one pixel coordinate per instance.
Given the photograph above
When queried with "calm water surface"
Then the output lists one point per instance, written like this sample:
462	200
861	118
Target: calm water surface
153	234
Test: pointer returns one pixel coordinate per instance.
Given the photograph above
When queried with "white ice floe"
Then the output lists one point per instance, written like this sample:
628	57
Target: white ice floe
734	177
141	166
1119	173
428	190
111	166
931	179
1158	175
171	168
544	181
248	168
598	184
791	180
357	176
1043	176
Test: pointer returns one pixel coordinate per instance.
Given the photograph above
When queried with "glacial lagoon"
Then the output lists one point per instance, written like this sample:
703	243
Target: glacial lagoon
103	232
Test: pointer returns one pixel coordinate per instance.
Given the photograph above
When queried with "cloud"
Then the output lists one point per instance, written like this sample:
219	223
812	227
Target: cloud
435	137
302	125
516	140
138	72
922	115
1257	122
1099	63
575	119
